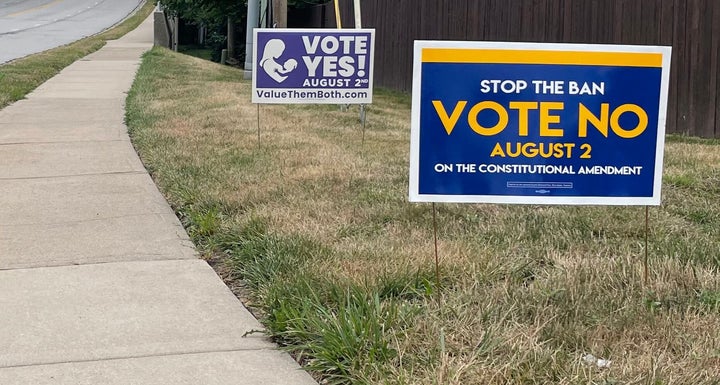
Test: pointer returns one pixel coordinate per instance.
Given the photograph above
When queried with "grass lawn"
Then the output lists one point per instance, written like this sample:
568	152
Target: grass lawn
20	77
313	230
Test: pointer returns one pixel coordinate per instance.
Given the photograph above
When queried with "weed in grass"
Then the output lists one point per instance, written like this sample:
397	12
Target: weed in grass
342	332
204	222
685	181
268	258
701	217
349	342
710	298
408	287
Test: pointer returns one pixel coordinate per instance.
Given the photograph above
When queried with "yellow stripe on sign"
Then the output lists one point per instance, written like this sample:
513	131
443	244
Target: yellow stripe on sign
507	56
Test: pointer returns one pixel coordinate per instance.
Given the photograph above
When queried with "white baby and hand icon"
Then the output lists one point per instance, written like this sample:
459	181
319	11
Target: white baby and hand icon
273	50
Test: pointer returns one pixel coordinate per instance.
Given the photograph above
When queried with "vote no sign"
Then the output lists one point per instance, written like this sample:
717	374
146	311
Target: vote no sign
314	66
536	123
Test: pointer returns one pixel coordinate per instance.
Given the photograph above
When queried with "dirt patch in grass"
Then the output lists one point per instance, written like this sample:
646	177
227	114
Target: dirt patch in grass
317	227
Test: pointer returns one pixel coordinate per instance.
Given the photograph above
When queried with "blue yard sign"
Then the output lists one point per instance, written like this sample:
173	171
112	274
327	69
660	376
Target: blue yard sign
314	66
538	123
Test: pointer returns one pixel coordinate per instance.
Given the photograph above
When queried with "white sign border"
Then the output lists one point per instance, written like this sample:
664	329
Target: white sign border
414	194
370	90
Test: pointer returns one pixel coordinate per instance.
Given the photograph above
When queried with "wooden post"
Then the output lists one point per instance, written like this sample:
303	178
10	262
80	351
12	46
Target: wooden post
223	56
358	24
358	14
176	33
338	24
231	37
338	20
279	13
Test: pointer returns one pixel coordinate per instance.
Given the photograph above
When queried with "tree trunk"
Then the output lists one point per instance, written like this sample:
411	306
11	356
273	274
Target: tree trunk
231	37
279	13
176	33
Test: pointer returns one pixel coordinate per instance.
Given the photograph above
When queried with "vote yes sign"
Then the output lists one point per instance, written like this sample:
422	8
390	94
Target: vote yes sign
538	123
313	66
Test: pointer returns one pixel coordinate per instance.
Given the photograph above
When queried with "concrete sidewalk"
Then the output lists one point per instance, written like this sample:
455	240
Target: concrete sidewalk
99	283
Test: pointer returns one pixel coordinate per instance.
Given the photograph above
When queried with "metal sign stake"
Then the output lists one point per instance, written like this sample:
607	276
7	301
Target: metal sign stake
363	120
258	125
647	230
437	259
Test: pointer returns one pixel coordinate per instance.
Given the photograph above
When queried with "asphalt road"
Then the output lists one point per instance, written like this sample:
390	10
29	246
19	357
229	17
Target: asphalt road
31	26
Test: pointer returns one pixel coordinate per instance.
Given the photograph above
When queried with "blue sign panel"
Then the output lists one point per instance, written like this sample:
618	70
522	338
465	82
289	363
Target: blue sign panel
538	123
314	66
